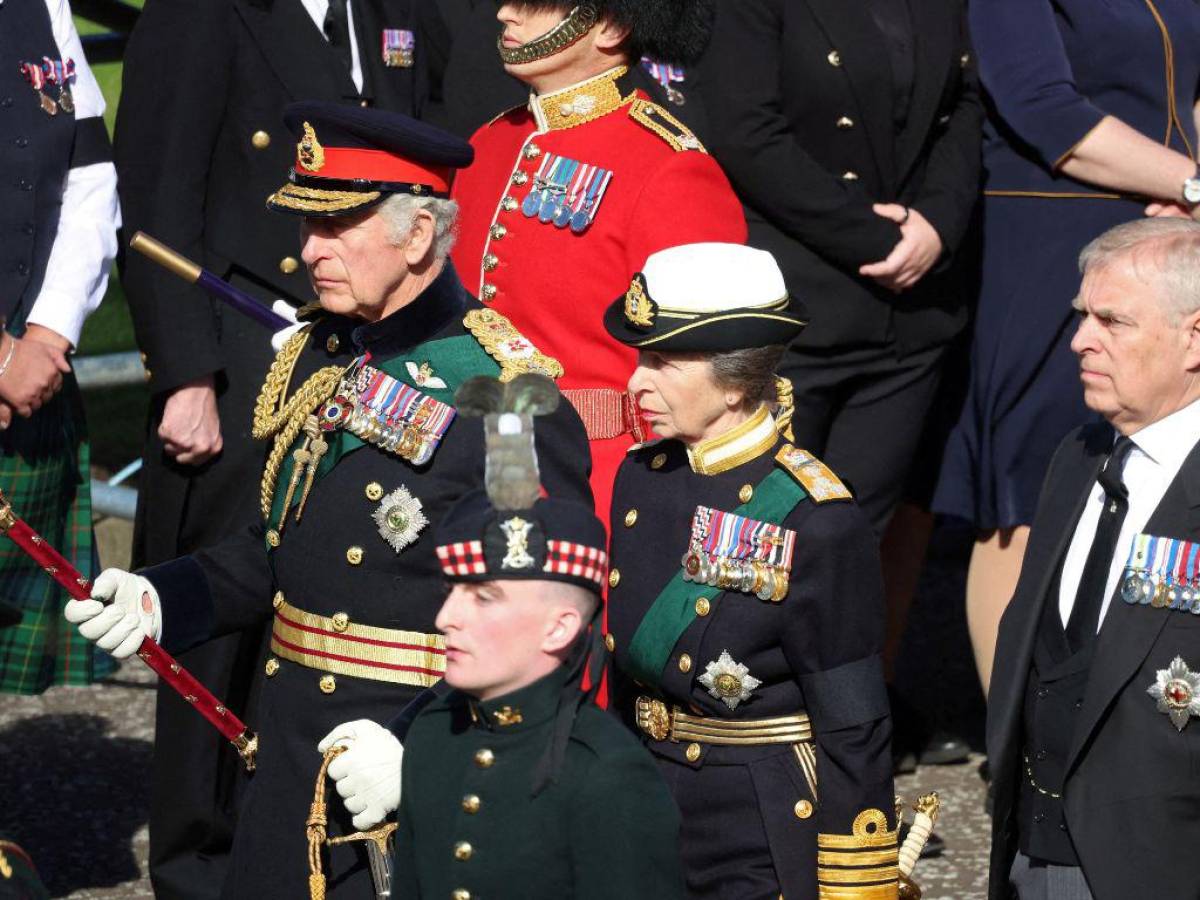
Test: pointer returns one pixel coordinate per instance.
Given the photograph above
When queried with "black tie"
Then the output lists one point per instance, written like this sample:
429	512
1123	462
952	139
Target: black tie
1085	615
337	29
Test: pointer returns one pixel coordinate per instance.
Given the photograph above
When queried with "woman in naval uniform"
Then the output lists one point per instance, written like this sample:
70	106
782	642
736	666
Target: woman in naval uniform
745	610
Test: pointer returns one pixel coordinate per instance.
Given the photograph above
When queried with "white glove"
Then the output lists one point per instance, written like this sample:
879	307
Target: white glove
285	309
118	627
367	775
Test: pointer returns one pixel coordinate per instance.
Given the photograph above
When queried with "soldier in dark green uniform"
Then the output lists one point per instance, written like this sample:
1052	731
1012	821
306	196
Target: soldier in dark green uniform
515	785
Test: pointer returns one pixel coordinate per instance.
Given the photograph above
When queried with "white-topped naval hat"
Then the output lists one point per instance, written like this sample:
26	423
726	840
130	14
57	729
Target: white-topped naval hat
706	297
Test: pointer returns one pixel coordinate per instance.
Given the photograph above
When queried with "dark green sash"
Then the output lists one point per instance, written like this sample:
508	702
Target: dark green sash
675	608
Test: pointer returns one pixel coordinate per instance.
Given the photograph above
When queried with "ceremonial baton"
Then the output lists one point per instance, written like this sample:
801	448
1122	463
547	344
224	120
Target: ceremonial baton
180	679
201	277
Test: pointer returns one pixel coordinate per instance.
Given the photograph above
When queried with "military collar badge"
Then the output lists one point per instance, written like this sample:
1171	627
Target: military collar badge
736	553
640	310
398	45
516	532
400	518
1177	690
566	192
728	681
49	73
309	152
1162	572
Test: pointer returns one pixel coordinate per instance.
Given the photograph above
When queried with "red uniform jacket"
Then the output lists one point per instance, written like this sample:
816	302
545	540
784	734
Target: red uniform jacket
554	282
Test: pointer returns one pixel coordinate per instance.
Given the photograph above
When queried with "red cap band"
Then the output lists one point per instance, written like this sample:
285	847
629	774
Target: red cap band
344	163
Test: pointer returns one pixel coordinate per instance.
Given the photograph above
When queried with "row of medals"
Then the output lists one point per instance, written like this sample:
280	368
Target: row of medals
549	203
750	576
345	410
65	101
1139	587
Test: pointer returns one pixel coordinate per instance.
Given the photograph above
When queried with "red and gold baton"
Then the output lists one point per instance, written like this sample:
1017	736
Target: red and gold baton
180	679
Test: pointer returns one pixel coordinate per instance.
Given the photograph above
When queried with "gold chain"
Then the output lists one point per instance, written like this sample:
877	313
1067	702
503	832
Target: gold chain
273	417
1033	782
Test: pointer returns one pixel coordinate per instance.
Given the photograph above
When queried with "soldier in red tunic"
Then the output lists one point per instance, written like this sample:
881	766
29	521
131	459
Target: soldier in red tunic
571	193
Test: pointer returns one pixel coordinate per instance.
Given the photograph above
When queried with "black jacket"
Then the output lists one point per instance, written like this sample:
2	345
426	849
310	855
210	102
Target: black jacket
1131	793
799	98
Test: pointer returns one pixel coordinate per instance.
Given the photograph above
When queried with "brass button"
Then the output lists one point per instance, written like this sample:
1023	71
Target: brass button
519	177
614	578
631	518
964	60
532	151
288	265
333	343
417	189
692	753
271	667
803	809
341	621
327	684
746	493
277	600
487	293
703	607
490	261
364	103
498	232
685	663
460	894
484	758
508	204
471	804
463	851
260	140
845	123
374	491
273	537
354	556
659	461
849	176
610	643
835	58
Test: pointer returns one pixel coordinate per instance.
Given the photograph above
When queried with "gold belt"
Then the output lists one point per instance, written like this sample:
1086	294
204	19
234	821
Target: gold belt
663	723
335	644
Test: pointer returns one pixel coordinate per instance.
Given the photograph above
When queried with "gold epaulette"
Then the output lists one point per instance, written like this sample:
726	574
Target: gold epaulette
862	865
515	352
653	117
814	476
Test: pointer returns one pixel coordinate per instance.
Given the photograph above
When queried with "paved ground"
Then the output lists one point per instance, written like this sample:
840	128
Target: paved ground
72	761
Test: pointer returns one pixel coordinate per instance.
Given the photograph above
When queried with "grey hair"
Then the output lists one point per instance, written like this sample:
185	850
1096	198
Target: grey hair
1161	251
751	371
400	211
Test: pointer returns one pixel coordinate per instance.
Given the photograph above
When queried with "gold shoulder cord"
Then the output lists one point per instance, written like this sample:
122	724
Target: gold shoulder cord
273	417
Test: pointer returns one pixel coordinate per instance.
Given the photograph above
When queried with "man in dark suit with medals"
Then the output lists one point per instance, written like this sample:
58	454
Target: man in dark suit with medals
1097	678
366	450
200	143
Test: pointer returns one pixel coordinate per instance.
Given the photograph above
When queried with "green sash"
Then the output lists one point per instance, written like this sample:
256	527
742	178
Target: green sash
675	608
454	360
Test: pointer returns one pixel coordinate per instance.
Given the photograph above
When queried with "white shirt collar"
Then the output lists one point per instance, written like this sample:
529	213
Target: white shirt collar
1168	441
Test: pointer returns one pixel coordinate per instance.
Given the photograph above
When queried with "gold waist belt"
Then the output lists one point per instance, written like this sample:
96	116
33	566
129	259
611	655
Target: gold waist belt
343	647
663	723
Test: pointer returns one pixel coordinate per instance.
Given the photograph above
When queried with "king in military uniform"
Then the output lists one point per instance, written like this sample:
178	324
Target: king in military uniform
570	193
514	783
745	604
367	449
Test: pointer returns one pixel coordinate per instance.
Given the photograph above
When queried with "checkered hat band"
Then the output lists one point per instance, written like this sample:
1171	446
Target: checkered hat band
462	558
576	560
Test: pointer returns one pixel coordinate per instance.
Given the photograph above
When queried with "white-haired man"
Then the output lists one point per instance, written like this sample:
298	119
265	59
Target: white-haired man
367	450
1097	667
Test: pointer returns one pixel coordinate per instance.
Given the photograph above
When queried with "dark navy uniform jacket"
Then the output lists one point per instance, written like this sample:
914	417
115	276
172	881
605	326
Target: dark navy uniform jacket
335	560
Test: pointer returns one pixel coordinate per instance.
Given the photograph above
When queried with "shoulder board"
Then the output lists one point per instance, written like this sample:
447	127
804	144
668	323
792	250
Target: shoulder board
309	311
515	353
652	116
813	475
512	109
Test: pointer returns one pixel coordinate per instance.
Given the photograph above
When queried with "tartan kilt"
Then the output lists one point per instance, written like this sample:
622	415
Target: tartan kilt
45	474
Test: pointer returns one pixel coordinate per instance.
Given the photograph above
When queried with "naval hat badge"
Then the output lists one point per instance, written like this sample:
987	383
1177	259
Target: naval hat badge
1177	690
728	681
400	518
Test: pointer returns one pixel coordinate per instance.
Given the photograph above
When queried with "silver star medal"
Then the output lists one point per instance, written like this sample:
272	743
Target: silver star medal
1177	691
728	681
400	518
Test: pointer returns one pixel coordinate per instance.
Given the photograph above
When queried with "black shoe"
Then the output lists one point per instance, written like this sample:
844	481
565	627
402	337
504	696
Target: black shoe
944	750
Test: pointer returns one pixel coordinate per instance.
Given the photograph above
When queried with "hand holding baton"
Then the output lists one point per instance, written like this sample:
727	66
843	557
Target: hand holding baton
182	681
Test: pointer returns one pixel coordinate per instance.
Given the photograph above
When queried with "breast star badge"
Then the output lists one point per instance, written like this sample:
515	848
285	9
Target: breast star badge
728	681
400	518
1177	691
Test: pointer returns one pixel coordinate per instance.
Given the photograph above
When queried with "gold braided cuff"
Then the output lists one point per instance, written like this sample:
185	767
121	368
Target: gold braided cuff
862	865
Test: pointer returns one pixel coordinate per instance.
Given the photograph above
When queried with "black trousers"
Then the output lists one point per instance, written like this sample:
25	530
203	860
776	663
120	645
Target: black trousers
865	412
